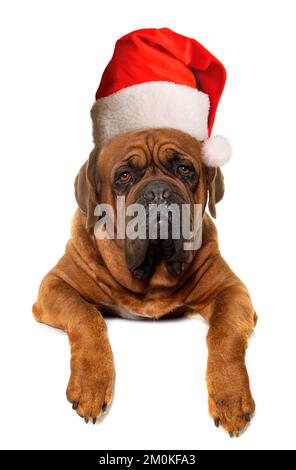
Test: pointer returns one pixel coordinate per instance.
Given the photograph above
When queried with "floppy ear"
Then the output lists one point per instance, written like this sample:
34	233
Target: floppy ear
215	182
86	189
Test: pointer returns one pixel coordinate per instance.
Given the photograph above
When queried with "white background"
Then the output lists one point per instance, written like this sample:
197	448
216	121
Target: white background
53	54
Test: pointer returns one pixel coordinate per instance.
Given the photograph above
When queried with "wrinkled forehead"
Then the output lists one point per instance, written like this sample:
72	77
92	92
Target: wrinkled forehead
148	146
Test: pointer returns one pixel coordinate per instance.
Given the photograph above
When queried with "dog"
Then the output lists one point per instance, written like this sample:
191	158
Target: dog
153	279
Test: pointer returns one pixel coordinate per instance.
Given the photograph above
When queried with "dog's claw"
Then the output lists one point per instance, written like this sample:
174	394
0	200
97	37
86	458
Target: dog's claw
247	417
236	434
86	420
94	420
230	434
74	405
104	407
217	422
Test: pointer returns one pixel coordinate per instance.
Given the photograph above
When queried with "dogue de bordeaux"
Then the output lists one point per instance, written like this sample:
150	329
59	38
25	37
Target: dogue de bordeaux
148	278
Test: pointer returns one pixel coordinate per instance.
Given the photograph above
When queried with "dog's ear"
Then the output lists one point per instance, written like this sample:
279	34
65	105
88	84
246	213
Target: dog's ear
87	189
215	184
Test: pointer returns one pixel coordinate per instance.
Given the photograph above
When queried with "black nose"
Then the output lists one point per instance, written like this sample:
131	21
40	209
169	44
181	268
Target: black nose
157	192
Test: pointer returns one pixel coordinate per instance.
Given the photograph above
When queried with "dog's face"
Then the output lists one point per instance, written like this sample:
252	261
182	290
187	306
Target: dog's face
161	169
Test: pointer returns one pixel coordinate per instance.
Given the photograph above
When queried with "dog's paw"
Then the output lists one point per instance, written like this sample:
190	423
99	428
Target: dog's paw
90	387
233	413
230	401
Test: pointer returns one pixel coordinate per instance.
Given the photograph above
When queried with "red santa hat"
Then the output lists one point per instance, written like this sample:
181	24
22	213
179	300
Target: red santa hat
158	78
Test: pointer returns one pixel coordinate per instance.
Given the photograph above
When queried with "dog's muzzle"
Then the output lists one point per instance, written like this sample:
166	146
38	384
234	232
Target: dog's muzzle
161	216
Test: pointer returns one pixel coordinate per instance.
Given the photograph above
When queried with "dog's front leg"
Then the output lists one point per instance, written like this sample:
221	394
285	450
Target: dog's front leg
232	319
92	369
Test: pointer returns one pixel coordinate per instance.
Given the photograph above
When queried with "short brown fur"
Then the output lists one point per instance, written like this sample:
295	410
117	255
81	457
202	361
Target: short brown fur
92	278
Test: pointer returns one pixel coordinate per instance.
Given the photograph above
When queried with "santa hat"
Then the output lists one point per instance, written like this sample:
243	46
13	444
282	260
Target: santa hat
158	78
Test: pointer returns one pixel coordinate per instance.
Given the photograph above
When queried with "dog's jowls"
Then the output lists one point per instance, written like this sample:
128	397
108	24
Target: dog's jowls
146	278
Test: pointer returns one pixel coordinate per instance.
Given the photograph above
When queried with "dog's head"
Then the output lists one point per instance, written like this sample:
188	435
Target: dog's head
161	169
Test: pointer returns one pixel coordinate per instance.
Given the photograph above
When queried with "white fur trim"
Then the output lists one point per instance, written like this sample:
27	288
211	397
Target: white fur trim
216	151
151	104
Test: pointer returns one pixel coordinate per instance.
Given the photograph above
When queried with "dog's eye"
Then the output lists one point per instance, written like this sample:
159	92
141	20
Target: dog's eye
183	170
124	177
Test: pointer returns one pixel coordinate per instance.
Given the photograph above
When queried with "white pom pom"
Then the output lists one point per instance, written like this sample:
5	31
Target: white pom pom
216	151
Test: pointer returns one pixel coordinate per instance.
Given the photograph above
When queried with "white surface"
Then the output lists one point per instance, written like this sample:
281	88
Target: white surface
54	54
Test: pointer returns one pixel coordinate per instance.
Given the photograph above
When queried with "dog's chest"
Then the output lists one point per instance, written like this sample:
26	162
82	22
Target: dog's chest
146	312
122	312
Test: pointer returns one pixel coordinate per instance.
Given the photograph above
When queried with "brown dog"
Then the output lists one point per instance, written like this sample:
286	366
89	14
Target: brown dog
130	278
